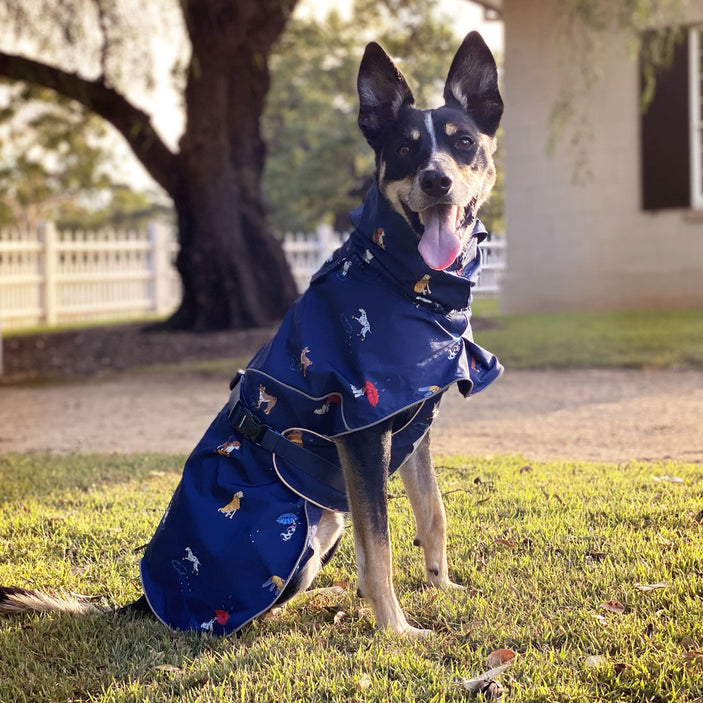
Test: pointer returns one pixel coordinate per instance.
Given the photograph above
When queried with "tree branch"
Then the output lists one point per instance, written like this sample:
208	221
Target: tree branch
134	124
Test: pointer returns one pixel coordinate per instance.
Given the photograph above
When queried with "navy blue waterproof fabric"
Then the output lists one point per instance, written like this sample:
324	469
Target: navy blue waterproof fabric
377	332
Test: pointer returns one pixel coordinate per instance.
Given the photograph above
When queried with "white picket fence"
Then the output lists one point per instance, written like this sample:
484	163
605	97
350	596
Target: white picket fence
60	277
306	252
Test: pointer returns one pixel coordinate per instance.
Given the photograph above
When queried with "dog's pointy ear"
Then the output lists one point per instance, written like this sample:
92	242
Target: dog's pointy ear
382	93
472	83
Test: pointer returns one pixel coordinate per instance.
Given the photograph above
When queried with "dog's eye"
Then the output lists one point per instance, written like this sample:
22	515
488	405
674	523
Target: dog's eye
464	143
403	150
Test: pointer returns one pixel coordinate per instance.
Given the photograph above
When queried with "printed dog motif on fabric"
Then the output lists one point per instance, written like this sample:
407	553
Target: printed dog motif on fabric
221	618
275	583
195	562
343	272
231	508
305	360
266	400
231	445
363	320
422	287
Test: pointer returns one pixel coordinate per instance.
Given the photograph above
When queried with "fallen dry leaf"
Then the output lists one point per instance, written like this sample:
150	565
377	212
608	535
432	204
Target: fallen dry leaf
600	618
499	656
694	656
494	689
483	682
167	668
525	469
687	642
668	479
613	606
326	591
593	660
505	543
646	588
339	616
273	613
364	682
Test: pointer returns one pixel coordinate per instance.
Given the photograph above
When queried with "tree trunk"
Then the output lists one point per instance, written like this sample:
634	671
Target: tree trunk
233	269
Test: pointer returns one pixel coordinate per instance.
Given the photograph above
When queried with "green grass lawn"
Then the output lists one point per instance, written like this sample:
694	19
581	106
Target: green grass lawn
635	339
539	550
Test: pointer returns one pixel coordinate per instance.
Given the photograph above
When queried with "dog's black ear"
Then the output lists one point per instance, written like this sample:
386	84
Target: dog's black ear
382	93
472	83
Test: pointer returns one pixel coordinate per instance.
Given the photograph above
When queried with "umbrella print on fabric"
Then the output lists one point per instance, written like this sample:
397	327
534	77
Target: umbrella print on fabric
291	520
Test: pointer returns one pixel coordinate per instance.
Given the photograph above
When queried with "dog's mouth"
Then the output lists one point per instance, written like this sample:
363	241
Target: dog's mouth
442	239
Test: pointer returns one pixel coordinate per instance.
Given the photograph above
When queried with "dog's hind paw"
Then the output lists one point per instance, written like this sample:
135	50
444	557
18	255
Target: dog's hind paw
408	631
452	586
417	633
437	581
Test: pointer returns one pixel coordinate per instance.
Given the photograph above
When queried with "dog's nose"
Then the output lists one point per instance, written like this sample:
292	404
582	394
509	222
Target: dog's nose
435	183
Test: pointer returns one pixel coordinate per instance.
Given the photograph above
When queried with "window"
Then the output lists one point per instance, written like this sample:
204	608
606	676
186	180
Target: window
672	131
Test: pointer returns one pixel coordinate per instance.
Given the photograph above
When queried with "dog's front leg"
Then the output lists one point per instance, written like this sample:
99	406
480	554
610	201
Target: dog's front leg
365	456
431	523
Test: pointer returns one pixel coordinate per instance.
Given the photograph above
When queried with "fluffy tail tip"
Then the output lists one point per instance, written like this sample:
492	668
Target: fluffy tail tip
20	600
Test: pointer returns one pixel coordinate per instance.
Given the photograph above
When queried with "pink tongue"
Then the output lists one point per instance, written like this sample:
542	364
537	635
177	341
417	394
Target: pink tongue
440	244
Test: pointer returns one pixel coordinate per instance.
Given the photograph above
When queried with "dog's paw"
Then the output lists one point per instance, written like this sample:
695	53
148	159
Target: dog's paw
408	631
417	633
437	580
450	585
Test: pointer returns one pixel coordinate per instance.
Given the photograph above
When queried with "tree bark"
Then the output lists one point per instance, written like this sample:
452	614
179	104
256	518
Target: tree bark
233	269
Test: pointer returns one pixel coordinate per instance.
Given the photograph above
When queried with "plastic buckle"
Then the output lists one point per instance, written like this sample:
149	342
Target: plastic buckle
245	423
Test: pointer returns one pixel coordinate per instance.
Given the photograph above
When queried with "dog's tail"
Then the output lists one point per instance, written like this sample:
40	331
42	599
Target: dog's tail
15	601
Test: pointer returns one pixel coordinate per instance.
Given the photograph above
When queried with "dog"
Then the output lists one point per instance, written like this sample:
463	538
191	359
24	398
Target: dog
356	404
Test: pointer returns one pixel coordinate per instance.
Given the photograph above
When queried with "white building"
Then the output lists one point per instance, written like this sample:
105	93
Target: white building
632	235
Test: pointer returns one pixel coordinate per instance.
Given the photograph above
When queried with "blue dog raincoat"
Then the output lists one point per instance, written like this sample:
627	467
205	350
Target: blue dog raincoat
378	332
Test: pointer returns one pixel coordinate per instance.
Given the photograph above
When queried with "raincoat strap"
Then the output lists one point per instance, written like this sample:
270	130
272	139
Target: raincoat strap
245	423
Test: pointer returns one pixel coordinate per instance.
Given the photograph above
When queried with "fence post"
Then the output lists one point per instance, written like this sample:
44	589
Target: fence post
47	237
160	263
324	239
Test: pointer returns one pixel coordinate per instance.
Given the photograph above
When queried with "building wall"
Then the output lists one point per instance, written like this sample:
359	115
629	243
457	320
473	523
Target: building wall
584	246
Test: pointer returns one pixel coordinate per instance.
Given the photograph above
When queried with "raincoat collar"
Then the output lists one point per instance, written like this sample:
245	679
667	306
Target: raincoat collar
380	229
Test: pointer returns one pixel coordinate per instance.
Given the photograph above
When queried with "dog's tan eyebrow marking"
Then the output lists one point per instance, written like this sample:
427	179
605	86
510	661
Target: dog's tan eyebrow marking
450	129
414	134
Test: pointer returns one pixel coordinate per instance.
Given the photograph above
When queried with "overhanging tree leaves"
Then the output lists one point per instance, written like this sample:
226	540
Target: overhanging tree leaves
55	164
92	51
